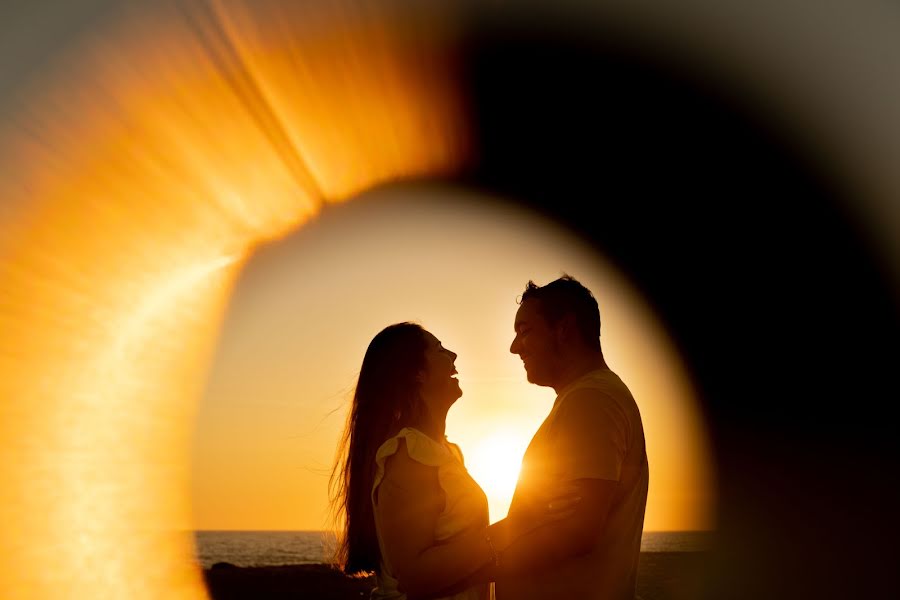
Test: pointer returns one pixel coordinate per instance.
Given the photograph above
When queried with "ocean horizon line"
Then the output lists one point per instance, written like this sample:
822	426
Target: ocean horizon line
329	530
272	547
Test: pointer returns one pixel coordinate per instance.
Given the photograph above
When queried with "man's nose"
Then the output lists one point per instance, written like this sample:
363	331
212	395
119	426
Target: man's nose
514	347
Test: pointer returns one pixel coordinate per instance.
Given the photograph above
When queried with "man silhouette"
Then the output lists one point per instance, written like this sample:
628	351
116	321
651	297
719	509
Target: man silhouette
592	439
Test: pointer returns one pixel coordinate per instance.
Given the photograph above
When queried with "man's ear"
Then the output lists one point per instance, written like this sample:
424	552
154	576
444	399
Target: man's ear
566	329
420	376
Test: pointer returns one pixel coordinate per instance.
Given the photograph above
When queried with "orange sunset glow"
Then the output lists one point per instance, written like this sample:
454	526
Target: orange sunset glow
304	310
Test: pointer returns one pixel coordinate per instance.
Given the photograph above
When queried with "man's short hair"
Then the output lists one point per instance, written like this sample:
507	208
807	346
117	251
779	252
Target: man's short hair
564	296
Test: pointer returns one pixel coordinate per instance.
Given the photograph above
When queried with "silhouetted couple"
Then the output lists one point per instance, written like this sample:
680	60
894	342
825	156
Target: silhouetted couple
415	517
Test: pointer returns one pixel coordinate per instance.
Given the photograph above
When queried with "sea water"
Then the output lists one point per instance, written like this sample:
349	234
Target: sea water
272	548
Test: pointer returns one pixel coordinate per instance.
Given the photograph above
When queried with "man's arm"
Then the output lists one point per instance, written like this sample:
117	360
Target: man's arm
556	541
590	440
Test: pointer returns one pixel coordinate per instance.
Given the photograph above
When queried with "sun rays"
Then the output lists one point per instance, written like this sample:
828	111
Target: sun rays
146	167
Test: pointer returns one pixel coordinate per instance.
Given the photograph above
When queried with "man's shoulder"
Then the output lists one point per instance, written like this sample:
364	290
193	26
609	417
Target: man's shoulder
587	405
601	396
598	385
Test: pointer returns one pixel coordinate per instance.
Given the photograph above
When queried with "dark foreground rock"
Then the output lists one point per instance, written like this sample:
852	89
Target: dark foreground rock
661	576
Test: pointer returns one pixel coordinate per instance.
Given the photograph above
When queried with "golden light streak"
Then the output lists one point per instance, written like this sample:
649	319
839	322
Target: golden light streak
144	171
495	463
311	61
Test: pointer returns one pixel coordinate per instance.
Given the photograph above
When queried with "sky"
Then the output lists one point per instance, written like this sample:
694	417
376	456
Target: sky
454	260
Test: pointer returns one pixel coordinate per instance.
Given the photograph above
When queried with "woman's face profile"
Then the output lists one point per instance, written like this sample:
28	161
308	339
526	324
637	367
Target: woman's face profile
439	386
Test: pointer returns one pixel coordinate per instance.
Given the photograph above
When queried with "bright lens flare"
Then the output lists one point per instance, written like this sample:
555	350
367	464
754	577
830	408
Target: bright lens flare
495	463
138	177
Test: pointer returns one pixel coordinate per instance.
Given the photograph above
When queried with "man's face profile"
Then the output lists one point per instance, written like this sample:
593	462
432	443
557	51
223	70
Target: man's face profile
535	343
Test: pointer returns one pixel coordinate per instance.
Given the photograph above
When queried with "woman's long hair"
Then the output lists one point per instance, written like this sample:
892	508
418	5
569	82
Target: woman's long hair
386	399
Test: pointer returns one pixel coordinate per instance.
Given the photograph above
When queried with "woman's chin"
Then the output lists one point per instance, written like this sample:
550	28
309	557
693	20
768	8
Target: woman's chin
456	395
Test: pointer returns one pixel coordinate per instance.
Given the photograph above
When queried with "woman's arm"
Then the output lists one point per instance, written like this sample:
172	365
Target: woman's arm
409	501
552	507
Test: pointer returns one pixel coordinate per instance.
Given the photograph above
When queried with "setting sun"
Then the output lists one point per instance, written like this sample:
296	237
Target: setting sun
494	464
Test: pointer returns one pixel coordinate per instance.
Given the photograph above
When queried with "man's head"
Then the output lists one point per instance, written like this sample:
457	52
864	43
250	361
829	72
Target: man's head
557	324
